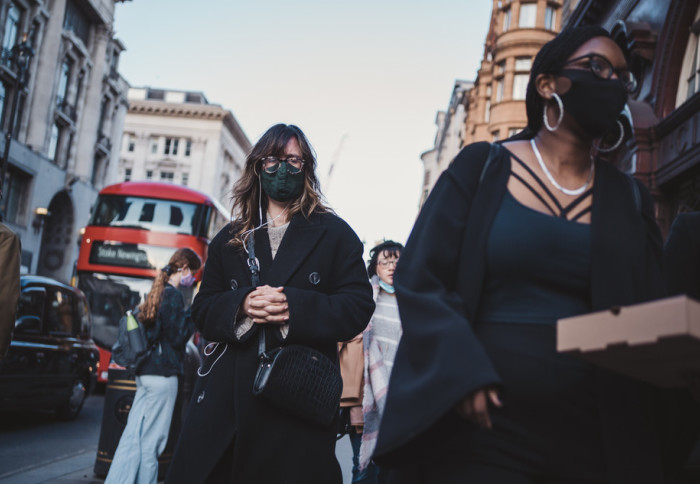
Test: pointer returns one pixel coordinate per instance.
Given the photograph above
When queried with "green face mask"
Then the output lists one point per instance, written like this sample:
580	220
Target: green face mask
281	185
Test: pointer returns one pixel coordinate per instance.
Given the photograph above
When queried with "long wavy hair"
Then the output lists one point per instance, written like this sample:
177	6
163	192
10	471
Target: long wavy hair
148	310
247	192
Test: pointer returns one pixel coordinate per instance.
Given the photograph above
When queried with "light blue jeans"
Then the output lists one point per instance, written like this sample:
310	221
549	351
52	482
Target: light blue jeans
146	432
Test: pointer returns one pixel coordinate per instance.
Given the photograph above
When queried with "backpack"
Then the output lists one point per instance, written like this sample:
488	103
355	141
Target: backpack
132	346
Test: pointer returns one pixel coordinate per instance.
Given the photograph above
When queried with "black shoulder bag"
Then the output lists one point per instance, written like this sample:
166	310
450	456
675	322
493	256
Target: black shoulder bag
299	380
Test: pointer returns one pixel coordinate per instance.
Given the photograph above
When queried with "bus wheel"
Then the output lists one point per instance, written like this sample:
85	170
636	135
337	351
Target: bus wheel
72	406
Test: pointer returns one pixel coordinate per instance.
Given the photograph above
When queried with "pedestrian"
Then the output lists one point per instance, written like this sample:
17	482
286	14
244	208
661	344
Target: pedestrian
168	327
313	291
380	340
10	254
511	239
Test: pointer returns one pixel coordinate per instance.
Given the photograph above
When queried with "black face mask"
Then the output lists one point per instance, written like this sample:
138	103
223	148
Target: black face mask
594	103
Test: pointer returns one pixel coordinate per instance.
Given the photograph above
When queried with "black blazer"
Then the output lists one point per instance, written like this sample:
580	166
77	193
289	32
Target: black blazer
319	263
438	285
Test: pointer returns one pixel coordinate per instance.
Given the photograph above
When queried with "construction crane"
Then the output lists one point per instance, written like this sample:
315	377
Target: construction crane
334	160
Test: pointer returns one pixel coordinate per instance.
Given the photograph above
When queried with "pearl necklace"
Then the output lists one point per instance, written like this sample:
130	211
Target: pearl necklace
566	191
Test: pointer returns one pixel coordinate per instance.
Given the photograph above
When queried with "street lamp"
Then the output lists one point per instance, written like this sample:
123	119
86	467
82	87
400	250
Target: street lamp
20	57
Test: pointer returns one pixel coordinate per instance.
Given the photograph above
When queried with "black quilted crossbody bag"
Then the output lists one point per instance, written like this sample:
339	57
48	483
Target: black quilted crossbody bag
299	380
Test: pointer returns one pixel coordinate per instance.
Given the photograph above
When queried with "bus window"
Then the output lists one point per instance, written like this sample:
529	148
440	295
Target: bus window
169	216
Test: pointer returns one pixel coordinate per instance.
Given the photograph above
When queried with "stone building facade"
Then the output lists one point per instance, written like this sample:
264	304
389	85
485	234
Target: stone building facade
179	137
493	106
70	114
662	40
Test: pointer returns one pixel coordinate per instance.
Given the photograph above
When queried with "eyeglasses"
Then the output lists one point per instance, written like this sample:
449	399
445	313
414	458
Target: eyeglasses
387	262
601	67
294	164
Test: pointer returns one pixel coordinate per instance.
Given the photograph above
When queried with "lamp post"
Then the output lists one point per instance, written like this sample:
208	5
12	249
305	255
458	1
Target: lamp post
20	57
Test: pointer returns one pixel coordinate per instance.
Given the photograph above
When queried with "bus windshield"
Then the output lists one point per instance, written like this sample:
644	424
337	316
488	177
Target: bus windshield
169	216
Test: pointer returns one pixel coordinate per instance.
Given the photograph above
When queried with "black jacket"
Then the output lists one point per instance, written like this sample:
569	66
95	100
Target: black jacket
319	263
168	336
682	256
438	285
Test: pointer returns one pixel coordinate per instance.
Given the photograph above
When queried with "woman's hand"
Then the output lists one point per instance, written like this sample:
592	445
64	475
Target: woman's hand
475	407
267	305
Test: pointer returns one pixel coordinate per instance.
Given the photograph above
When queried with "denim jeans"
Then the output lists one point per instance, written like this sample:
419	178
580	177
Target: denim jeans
146	432
369	474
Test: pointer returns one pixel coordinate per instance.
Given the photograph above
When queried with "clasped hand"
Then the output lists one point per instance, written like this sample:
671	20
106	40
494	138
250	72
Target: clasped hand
267	305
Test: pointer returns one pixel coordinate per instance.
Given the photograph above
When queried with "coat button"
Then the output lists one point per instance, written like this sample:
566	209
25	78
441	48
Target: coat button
234	284
314	278
200	397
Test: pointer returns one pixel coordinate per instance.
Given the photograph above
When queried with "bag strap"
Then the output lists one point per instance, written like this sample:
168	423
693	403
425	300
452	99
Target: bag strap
254	267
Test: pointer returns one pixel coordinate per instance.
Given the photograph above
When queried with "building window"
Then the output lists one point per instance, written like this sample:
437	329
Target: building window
11	34
506	19
188	147
77	22
495	136
168	142
550	18
63	80
694	74
523	64
520	86
167	176
154	147
176	142
513	131
185	178
500	68
53	143
130	144
127	174
14	202
528	15
149	174
3	99
487	111
500	90
689	82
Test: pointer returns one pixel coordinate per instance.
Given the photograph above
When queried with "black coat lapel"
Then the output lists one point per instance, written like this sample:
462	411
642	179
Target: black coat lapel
298	242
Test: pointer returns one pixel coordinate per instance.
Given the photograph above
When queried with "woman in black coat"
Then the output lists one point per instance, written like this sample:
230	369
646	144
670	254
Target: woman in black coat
511	239
313	291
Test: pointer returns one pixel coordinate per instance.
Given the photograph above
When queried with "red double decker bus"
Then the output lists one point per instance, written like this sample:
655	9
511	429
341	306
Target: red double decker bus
134	229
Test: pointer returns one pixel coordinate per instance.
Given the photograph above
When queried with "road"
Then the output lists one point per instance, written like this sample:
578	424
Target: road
36	448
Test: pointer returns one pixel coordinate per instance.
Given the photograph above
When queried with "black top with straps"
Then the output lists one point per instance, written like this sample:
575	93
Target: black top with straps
563	212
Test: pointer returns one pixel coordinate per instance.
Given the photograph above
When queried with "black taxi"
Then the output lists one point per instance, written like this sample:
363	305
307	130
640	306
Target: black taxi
52	360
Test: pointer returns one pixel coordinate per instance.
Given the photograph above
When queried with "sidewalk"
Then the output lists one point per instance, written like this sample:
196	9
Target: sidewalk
77	469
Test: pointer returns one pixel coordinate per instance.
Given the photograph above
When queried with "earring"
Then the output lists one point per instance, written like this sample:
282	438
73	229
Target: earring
617	143
560	105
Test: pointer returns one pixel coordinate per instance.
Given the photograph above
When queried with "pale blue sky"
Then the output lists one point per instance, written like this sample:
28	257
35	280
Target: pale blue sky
376	70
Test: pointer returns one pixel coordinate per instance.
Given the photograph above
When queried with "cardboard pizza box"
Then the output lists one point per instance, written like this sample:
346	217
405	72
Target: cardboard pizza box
657	341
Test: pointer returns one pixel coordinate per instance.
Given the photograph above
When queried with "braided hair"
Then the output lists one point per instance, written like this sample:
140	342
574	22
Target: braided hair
550	60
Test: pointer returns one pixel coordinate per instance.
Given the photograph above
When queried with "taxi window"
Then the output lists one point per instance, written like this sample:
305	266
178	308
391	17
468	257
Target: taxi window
59	318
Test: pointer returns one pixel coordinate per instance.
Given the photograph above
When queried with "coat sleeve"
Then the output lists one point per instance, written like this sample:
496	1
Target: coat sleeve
215	306
439	353
341	312
682	258
9	289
